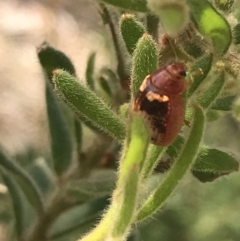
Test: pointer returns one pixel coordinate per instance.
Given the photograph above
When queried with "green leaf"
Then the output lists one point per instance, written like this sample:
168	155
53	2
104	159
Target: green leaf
100	184
110	75
211	25
145	61
26	157
51	59
17	202
214	160
61	142
111	90
42	175
133	5
131	30
105	87
193	49
79	134
174	15
224	103
206	176
90	71
26	183
87	105
212	115
179	168
204	64
212	92
213	163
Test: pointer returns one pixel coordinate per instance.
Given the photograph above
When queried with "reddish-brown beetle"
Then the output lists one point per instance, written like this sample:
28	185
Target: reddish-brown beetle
161	103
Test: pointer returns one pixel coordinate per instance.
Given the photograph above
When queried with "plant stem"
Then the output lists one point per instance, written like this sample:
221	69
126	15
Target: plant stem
121	65
118	218
130	175
99	233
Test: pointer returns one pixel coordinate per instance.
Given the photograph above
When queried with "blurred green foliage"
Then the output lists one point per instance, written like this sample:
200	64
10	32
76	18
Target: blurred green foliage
62	196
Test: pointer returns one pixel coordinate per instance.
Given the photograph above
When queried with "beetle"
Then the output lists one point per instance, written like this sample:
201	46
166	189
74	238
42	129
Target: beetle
161	102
